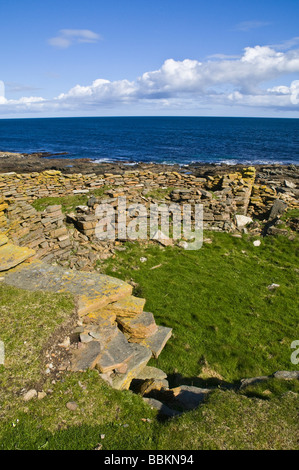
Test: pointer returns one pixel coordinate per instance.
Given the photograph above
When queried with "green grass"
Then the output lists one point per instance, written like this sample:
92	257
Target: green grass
227	325
231	421
68	203
159	193
217	302
290	214
27	321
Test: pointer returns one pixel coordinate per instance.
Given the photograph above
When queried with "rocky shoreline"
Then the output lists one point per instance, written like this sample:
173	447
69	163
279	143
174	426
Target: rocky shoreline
39	162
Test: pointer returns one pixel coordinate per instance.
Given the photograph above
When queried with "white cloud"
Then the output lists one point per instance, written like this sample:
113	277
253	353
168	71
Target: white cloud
184	85
67	37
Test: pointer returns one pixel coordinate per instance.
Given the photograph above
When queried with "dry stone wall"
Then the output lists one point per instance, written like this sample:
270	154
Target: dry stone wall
51	235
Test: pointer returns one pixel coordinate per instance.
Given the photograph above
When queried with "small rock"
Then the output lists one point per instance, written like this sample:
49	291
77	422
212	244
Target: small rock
30	395
289	184
273	286
72	405
257	243
242	220
41	395
66	343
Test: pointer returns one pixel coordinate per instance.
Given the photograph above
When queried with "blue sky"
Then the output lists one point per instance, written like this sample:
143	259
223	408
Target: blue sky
166	57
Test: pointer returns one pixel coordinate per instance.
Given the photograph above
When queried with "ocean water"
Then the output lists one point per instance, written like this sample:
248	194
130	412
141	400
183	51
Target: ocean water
181	140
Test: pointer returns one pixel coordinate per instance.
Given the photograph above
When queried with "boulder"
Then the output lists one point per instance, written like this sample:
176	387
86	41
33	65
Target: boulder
278	208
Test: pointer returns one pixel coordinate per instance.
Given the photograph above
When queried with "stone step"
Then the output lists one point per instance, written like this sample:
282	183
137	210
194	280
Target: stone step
157	341
101	317
139	327
93	290
127	307
86	357
12	255
115	355
140	358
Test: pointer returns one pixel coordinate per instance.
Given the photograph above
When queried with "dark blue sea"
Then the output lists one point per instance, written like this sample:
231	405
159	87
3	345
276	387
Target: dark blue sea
169	140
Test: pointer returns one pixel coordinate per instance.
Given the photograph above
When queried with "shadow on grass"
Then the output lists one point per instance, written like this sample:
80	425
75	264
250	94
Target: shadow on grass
176	380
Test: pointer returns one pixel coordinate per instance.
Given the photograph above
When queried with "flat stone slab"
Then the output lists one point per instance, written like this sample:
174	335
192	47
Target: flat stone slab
287	375
86	357
253	380
128	306
3	239
141	356
101	317
157	341
138	327
12	255
102	334
94	291
116	354
149	372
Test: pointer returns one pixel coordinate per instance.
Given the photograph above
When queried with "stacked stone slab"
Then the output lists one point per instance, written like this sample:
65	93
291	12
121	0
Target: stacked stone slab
117	337
3	208
128	336
56	234
12	255
44	231
223	197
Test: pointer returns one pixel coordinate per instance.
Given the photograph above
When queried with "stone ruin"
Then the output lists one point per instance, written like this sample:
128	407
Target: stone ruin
114	333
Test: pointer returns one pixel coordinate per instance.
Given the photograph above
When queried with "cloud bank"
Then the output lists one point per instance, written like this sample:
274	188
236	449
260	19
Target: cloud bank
188	84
